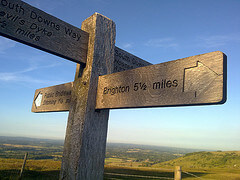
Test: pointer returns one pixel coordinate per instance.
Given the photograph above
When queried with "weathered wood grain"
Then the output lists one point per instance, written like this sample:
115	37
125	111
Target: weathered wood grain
194	80
52	99
26	24
124	60
85	142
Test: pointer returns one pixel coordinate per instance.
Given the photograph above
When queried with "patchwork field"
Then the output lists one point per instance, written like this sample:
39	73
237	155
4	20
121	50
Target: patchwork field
123	161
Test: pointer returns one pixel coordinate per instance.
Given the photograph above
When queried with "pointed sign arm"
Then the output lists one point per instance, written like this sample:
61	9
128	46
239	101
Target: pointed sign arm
196	80
31	26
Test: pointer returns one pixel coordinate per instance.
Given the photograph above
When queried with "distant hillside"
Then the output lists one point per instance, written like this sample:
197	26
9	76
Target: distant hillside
30	141
118	154
110	146
175	150
205	160
16	147
142	155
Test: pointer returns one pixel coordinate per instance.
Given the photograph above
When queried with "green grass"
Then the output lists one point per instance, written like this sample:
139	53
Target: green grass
206	165
34	169
50	169
206	160
29	175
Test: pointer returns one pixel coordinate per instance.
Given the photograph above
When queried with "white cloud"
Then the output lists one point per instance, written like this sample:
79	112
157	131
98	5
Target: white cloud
19	76
6	44
127	45
218	40
162	42
27	80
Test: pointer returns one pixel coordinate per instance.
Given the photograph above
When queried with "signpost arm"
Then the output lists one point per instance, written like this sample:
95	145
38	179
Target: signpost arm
85	141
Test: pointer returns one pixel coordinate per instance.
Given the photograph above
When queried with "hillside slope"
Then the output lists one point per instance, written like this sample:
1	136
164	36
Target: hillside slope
206	160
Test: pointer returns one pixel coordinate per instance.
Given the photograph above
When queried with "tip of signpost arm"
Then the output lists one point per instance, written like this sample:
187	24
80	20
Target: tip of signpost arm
224	95
224	99
220	52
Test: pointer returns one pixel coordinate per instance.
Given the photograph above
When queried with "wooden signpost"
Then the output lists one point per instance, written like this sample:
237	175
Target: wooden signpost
102	82
194	80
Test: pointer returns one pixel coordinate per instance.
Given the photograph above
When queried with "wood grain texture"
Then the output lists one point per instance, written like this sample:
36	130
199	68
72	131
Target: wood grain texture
124	60
53	99
26	24
85	142
196	80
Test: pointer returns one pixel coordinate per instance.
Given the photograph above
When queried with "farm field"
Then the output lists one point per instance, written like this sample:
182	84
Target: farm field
123	161
50	169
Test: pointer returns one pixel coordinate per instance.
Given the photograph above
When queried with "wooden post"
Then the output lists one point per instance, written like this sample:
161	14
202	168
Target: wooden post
23	166
178	173
85	141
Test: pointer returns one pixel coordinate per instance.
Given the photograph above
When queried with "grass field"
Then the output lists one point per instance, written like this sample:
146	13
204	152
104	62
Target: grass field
123	161
49	169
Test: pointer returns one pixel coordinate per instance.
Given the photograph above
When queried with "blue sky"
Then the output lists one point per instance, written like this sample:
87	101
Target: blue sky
157	31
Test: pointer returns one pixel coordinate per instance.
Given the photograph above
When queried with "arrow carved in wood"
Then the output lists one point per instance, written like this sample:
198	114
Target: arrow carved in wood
38	100
198	78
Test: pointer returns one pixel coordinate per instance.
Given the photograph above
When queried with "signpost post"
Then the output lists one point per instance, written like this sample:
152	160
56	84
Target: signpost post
105	79
85	142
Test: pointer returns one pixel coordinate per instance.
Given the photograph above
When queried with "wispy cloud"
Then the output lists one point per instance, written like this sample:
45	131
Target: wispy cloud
7	77
162	42
127	45
218	40
6	44
20	76
34	67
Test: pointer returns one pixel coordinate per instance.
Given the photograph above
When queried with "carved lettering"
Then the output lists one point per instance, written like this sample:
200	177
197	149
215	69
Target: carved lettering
14	18
72	34
140	86
116	90
44	21
63	93
126	61
13	6
28	34
165	84
26	24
